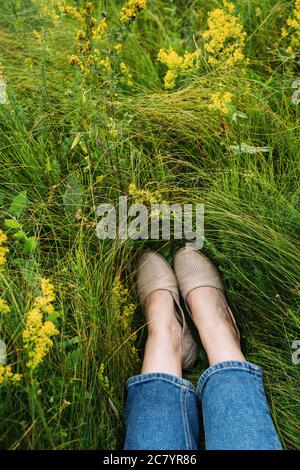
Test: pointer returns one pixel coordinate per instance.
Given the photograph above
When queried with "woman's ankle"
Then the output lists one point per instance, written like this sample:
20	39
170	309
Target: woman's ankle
163	350
221	343
213	321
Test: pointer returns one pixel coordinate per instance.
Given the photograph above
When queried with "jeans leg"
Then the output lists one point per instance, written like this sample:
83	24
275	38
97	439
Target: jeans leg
161	413
235	410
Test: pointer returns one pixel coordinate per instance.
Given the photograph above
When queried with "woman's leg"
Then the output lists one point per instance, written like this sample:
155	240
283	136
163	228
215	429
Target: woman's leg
163	349
235	410
161	408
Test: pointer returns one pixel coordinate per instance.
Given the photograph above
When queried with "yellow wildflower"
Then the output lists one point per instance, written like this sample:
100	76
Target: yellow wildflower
221	101
126	73
47	7
174	61
88	7
292	30
224	39
48	289
87	36
119	294
4	307
170	58
3	249
105	63
169	79
28	62
118	48
100	30
74	60
37	35
176	64
127	314
52	13
188	60
3	237
123	67
73	11
81	35
37	332
104	381
84	47
90	60
132	8
6	375
123	311
229	6
142	196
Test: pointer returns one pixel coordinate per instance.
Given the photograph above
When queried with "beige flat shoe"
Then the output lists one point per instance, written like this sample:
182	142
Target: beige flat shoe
193	269
154	273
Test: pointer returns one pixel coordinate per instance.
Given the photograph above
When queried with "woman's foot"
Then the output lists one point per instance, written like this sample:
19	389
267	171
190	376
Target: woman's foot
170	345
202	288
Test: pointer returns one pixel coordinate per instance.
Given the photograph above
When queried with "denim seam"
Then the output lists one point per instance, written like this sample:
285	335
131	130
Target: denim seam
203	380
187	435
186	386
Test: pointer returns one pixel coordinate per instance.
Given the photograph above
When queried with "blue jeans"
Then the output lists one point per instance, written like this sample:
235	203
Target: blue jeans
162	410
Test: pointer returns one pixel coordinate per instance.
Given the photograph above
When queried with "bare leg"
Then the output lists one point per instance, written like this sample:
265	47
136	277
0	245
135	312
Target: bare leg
217	334
163	350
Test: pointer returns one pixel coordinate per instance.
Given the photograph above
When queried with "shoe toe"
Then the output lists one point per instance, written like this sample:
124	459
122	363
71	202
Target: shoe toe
193	269
153	274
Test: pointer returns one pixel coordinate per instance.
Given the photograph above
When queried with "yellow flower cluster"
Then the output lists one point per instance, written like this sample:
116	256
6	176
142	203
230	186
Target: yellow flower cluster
4	307
220	101
224	39
3	249
176	64
37	35
74	60
87	36
142	196
105	64
6	375
175	61
124	310
100	30
37	333
132	8
170	79
104	381
125	72
118	48
85	68
292	30
72	11
47	7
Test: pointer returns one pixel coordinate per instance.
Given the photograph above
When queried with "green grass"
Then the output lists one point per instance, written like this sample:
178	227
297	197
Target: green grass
170	142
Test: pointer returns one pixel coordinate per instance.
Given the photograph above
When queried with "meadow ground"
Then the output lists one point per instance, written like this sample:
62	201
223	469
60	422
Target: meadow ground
186	101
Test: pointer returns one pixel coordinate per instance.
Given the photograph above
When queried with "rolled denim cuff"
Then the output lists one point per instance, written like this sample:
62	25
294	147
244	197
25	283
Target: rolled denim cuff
161	413
177	381
246	366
